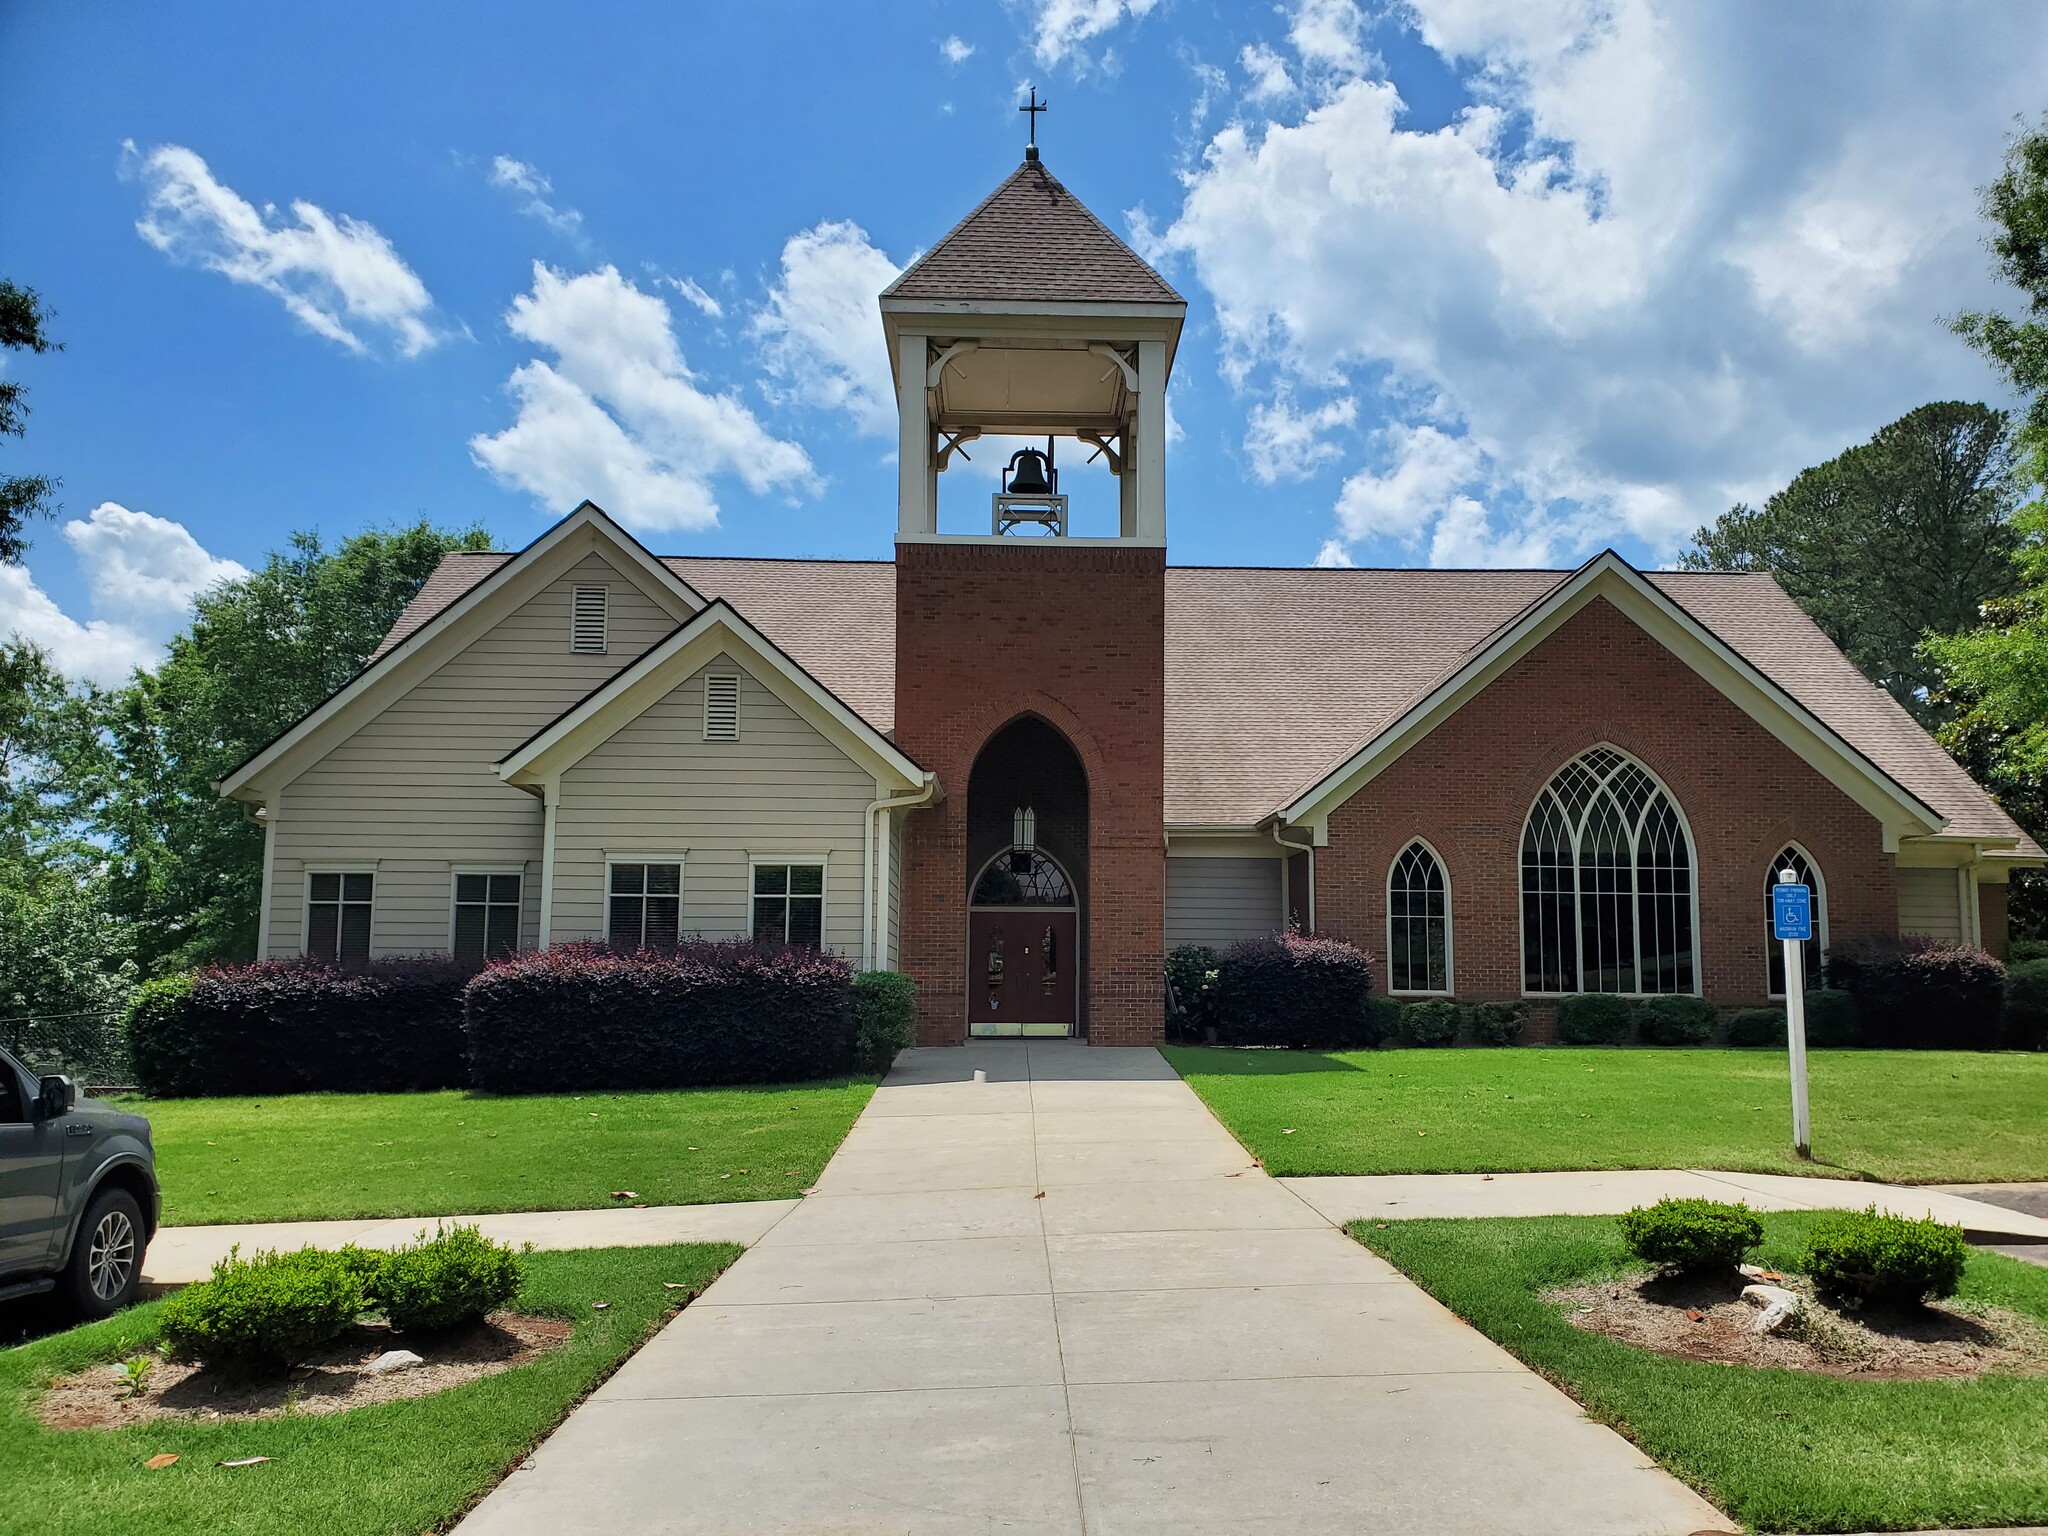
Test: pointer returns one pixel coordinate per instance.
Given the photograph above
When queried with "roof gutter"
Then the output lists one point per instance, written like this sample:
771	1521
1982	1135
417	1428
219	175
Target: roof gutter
873	942
1308	848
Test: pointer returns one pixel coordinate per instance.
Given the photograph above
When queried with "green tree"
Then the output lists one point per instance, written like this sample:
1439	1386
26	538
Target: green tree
260	653
2017	206
22	318
1902	536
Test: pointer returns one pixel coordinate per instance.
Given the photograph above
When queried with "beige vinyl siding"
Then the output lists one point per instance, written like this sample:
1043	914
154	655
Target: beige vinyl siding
1930	902
658	787
416	791
1219	901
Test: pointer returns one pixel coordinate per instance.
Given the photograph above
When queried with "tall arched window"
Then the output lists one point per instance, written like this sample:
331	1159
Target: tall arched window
1793	857
1418	922
1607	899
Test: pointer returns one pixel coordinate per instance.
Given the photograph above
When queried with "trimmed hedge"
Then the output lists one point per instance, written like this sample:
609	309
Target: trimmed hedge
1833	1018
2026	1006
267	1312
1592	1018
582	1016
1757	1026
1499	1023
453	1277
299	1026
1922	994
1190	991
1676	1020
1882	1257
2025	951
1691	1235
1296	991
885	1019
1433	1021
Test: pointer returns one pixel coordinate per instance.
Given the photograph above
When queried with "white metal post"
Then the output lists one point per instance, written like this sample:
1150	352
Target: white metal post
1795	1032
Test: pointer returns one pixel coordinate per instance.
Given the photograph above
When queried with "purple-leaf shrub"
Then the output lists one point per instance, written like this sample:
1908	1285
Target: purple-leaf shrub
1918	993
1296	990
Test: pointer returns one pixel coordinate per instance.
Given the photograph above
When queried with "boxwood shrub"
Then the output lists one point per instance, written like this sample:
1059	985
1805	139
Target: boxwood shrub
266	1312
1499	1023
1756	1026
583	1016
1190	991
456	1276
1295	990
1432	1021
2026	1006
1691	1235
885	1019
1676	1020
1922	994
1881	1257
1593	1018
296	1026
1833	1018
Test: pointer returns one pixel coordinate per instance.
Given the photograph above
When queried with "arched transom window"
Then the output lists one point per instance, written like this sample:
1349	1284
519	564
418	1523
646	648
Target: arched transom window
1418	922
1607	898
1794	858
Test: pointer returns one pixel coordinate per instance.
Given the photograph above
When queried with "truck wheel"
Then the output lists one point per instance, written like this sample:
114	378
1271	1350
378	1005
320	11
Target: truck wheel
105	1270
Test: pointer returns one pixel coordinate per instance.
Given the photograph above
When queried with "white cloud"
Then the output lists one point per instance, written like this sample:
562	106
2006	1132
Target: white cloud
1062	28
1668	254
696	293
521	179
820	331
141	575
956	50
1427	467
1286	444
337	275
619	418
1266	73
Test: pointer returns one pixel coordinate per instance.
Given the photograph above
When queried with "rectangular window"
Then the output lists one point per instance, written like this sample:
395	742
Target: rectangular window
338	916
587	618
721	707
789	904
486	915
646	905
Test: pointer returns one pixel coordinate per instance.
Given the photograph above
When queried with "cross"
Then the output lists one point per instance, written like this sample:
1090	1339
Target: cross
1036	107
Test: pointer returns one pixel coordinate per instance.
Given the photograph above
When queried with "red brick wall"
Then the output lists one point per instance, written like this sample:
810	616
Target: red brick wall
1468	785
1992	918
985	633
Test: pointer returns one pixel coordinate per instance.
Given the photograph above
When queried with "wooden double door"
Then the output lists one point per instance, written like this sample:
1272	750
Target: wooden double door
1023	969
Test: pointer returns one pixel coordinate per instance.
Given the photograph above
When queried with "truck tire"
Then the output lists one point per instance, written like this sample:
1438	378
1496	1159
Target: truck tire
105	1271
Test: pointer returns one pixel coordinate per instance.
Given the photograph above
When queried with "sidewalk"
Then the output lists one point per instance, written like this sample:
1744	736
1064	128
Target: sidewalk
1065	1300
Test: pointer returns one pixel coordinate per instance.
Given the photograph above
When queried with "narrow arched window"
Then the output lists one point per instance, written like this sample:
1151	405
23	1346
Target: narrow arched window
1794	858
1607	897
1418	922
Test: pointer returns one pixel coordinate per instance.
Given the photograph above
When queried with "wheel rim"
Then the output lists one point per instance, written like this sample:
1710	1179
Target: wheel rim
111	1258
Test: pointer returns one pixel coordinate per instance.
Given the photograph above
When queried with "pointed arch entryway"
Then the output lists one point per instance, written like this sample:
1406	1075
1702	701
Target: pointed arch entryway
1027	862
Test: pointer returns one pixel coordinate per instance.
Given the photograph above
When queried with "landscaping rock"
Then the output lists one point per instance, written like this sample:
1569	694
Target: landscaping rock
404	1360
1779	1306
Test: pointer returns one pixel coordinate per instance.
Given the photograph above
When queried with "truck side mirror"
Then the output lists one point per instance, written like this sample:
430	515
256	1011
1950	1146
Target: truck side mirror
54	1097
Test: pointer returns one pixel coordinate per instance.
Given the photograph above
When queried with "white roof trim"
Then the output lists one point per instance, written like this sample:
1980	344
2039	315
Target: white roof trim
395	671
717	629
1608	575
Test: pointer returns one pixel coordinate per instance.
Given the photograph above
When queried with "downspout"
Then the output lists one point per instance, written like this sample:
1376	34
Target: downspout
1308	848
873	861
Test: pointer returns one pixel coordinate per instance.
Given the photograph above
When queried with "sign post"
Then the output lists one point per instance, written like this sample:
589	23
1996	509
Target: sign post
1792	923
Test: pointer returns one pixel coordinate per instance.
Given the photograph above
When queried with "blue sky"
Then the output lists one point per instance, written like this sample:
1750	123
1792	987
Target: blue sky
1469	283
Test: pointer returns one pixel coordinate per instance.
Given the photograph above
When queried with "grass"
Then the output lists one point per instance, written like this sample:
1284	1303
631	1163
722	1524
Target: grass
1930	1117
392	1468
333	1155
1779	1450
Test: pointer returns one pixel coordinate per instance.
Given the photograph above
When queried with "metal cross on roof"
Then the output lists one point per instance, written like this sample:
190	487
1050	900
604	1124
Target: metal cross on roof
1034	108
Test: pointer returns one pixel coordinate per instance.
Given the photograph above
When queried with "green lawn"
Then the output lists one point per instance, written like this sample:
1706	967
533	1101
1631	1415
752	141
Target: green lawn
1779	1450
1930	1117
316	1155
393	1469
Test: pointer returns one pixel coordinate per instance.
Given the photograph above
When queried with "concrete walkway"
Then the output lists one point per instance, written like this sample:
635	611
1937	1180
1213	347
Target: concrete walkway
1065	1300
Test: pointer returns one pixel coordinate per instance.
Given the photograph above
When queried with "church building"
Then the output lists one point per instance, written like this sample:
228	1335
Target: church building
1026	757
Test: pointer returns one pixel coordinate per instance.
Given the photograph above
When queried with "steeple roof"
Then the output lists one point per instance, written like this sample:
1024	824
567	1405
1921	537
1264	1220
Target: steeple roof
1032	240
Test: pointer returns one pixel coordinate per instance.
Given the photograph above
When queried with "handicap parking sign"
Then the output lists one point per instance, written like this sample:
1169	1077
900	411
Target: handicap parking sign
1791	912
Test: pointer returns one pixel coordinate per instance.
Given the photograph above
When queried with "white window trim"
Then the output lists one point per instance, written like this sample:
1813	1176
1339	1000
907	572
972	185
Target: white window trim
306	900
1820	902
682	864
1450	986
738	687
824	863
1578	934
455	874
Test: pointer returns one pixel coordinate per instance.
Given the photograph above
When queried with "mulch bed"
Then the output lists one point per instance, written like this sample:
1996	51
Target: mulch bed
1697	1318
330	1381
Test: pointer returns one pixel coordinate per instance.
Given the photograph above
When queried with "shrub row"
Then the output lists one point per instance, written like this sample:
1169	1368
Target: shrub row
1922	994
1870	1255
559	1020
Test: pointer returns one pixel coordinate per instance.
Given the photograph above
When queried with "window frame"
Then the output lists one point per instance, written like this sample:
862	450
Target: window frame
613	860
455	874
757	861
1820	912
1692	848
306	909
1449	988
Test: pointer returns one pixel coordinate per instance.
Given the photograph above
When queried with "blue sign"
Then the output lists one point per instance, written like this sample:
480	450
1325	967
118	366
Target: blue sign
1791	912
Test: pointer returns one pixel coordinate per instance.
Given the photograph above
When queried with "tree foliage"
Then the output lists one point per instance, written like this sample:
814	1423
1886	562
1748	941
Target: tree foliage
22	320
2017	206
1902	536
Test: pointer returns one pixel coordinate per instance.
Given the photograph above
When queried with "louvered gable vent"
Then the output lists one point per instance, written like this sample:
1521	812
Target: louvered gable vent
721	707
587	620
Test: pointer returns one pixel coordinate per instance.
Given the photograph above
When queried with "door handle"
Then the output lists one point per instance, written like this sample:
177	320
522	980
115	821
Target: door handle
77	1130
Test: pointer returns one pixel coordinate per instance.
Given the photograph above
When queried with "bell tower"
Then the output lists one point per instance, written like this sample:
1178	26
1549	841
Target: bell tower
1024	646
